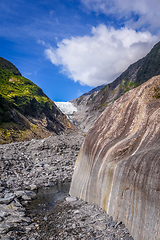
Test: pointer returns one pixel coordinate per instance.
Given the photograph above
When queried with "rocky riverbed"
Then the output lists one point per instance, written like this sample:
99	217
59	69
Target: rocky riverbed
28	166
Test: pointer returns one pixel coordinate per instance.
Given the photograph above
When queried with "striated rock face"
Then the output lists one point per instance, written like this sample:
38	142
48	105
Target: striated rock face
118	166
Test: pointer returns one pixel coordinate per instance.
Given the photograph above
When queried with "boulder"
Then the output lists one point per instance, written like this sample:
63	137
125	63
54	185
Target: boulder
118	166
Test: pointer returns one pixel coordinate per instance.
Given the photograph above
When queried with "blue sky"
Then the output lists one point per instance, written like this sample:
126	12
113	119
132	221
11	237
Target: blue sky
67	47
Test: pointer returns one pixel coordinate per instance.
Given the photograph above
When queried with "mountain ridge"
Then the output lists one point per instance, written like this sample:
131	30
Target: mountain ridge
92	104
25	111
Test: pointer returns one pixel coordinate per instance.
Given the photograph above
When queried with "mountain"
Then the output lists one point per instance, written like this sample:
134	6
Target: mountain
92	104
118	166
25	111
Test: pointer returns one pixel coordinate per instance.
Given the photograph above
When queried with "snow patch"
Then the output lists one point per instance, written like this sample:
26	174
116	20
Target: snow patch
66	107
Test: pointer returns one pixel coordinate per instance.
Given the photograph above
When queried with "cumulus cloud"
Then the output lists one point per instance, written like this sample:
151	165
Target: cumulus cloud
147	11
100	57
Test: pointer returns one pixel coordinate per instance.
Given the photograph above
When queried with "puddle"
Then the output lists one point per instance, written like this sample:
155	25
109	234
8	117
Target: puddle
46	197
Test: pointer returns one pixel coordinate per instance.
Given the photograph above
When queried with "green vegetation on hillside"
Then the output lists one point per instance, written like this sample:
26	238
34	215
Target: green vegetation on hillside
127	85
103	105
5	107
24	95
25	111
7	69
19	93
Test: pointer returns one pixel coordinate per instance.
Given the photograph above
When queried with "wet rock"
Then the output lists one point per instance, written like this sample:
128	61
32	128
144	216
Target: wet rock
28	195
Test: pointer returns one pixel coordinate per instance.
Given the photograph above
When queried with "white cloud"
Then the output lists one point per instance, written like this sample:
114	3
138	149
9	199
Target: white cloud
100	58
147	11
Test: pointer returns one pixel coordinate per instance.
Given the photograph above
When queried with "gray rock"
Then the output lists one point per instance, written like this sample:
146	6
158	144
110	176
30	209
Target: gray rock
113	224
73	225
13	219
3	214
31	194
28	195
6	200
5	237
33	187
9	195
76	211
1	189
17	203
71	199
5	227
19	193
118	223
30	227
26	219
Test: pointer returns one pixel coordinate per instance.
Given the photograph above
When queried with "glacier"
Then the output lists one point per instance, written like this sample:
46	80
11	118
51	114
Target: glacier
66	107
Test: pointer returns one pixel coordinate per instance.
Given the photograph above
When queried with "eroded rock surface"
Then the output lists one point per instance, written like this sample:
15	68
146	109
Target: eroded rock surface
118	167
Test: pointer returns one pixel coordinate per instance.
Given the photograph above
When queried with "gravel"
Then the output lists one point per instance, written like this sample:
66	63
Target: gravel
28	166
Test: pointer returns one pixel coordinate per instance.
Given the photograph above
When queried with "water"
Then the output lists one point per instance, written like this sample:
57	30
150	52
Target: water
46	197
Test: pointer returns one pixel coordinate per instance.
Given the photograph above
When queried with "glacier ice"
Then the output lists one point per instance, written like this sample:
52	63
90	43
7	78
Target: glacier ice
66	107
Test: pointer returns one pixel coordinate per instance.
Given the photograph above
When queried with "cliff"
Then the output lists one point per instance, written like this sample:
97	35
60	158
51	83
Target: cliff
25	111
118	166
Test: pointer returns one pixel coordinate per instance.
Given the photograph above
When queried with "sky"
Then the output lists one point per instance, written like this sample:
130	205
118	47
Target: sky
68	47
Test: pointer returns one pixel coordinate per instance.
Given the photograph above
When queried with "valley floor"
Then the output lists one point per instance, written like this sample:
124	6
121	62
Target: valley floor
28	166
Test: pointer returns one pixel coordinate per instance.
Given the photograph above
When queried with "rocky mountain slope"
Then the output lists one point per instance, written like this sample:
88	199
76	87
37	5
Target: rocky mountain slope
93	103
25	111
118	166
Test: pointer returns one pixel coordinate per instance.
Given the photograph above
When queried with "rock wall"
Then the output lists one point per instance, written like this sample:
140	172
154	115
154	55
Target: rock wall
118	166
